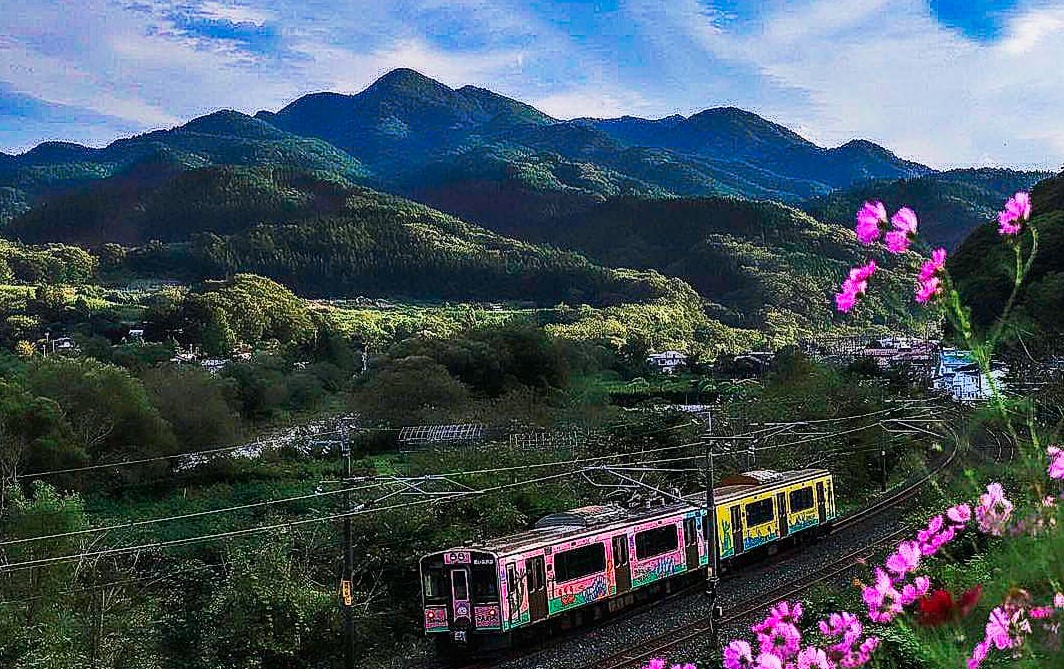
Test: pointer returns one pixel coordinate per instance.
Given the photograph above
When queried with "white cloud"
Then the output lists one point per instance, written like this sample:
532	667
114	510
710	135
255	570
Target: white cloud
232	13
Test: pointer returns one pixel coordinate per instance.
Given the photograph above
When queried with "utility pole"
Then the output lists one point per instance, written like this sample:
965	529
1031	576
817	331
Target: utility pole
349	563
883	467
710	532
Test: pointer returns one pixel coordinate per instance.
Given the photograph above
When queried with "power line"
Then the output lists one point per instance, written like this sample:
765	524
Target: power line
266	528
161	458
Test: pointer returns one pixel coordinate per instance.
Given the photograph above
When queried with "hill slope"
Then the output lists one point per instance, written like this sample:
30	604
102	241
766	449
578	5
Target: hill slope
221	138
982	268
320	237
950	204
766	265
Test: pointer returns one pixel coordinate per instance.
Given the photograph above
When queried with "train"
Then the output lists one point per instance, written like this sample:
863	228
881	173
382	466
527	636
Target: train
581	564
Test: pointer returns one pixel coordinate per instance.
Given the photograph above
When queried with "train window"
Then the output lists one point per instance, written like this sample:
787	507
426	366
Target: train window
485	588
759	513
461	588
435	584
511	578
655	542
579	562
801	500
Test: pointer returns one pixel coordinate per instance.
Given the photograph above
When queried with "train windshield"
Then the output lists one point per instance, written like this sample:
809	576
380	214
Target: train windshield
485	584
434	583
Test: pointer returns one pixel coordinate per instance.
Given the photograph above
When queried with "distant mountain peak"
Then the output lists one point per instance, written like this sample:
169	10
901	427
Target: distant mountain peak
407	81
226	122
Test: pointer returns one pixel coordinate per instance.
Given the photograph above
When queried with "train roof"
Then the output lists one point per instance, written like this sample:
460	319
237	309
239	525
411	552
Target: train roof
574	523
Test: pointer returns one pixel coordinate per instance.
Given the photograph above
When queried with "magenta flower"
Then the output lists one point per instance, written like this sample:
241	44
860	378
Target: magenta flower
869	218
738	655
814	658
656	663
781	640
929	283
904	222
959	514
993	510
855	284
978	654
1017	208
1056	464
768	661
905	559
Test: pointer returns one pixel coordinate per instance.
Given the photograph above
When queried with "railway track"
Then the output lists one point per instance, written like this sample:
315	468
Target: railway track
677	637
660	646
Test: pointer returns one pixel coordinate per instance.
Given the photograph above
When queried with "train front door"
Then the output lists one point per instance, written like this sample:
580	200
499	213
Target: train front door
737	528
690	542
781	507
821	510
536	582
622	567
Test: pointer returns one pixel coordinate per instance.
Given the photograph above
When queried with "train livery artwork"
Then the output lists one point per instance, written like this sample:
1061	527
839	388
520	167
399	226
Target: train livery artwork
580	564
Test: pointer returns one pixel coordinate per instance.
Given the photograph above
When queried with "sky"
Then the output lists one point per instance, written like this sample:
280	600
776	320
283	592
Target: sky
949	83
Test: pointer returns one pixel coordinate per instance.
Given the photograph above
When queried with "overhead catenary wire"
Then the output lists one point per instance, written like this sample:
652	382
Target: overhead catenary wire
358	511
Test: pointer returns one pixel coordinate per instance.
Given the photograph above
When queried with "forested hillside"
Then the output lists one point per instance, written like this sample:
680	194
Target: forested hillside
983	267
222	138
319	236
767	265
950	204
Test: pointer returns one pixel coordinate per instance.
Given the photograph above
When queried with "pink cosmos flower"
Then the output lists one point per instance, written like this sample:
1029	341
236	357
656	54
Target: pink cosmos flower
959	514
854	285
978	654
869	219
904	222
911	592
1056	464
905	559
767	661
1017	208
738	655
928	280
999	628
656	663
994	510
781	640
928	290
1058	600
814	658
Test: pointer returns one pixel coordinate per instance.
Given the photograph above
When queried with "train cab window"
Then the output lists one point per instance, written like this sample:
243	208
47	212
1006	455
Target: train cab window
434	583
511	578
485	586
801	500
579	562
655	542
461	588
759	513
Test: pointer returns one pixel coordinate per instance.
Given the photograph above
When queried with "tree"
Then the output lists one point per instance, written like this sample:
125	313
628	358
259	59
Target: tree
415	390
200	408
107	409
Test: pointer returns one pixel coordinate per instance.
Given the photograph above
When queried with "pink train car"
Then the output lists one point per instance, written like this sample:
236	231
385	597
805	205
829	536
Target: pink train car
581	564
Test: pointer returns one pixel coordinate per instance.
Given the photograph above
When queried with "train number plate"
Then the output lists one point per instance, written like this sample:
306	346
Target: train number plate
460	637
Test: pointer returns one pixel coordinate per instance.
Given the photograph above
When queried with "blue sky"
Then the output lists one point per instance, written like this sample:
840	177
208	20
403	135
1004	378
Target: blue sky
948	82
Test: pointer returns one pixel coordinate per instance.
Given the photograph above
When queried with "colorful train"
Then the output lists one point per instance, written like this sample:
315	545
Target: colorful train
580	564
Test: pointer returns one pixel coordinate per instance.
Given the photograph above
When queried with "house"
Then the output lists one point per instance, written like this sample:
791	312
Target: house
136	335
667	362
958	374
213	365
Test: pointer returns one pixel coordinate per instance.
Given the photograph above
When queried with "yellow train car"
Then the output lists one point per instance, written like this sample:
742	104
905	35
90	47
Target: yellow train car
762	507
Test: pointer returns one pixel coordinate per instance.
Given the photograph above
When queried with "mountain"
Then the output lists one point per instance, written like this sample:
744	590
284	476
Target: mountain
949	204
425	139
731	136
221	138
402	118
982	268
322	237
